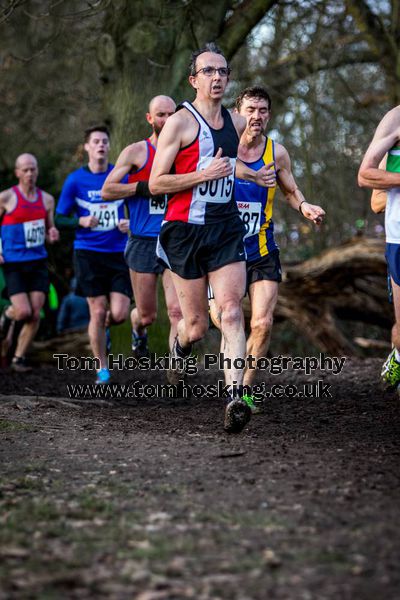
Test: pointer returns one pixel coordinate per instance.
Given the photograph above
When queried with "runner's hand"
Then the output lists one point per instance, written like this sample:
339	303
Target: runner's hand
1	259
53	235
123	225
219	167
312	212
266	176
88	222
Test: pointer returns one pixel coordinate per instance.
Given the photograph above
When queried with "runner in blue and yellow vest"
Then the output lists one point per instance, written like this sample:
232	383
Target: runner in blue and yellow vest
27	223
256	208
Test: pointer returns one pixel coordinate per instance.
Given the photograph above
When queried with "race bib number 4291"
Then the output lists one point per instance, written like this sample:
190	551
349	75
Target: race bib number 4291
215	190
107	214
34	232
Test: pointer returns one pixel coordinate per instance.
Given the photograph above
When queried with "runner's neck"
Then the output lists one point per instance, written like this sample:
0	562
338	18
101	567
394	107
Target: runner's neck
29	192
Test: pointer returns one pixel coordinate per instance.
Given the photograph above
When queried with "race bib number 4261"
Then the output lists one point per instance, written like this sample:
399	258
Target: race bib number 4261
215	190
34	232
107	214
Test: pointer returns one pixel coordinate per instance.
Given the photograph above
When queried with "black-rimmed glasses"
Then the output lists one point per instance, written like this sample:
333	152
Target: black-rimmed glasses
210	71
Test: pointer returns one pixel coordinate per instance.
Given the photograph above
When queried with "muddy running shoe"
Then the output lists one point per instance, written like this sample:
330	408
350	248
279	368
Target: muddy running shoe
390	373
256	406
5	323
237	415
103	376
19	364
139	345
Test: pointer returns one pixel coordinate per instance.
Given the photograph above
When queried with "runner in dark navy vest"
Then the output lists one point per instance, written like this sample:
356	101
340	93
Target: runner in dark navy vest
100	240
146	213
201	239
27	223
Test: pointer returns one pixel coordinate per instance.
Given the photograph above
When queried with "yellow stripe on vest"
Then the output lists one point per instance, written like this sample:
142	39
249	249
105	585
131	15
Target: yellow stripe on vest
268	157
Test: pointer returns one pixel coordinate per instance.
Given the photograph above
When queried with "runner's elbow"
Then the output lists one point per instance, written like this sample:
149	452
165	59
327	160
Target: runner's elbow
154	186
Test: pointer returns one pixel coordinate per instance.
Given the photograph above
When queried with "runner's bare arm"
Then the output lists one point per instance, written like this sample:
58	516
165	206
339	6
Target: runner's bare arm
169	143
52	233
386	136
379	197
288	186
132	156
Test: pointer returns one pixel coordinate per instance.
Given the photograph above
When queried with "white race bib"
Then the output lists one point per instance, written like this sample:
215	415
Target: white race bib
250	213
107	214
216	190
34	232
157	206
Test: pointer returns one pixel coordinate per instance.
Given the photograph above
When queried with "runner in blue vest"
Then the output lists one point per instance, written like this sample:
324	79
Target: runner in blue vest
100	240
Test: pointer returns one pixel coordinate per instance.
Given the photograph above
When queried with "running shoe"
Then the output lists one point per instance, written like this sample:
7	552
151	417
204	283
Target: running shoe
237	415
19	364
103	376
139	345
256	406
390	373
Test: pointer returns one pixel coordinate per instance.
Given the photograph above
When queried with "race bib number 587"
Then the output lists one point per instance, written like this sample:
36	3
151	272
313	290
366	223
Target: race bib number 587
215	190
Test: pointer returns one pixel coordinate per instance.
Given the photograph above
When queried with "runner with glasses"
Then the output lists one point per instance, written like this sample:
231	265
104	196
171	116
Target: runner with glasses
201	239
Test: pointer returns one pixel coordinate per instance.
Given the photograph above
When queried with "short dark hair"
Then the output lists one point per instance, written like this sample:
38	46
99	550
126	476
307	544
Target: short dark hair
209	47
255	91
90	130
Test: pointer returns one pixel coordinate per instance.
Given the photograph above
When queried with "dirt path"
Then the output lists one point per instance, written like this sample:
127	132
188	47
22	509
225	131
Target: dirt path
152	500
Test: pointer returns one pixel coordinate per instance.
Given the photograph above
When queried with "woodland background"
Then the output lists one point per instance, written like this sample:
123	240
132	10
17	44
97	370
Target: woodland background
332	68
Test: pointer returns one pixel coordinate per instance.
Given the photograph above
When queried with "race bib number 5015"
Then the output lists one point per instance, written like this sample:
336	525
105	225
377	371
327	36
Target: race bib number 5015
215	190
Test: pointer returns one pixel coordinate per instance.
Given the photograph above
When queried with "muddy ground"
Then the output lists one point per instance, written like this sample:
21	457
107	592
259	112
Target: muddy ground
150	499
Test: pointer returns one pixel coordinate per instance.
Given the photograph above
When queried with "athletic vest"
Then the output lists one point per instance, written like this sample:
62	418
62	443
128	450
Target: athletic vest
81	195
146	214
392	211
255	204
23	230
211	201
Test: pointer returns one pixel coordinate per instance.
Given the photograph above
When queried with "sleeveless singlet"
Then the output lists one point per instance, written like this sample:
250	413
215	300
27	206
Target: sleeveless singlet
255	205
211	201
392	211
23	230
145	214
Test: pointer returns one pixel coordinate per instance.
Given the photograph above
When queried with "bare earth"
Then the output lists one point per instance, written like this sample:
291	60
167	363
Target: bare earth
151	500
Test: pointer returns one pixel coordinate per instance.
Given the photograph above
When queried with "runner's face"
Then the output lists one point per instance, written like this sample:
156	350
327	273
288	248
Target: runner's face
27	172
257	115
209	86
98	146
159	113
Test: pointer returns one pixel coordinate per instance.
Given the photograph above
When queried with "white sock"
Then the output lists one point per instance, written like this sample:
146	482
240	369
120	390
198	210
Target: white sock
397	355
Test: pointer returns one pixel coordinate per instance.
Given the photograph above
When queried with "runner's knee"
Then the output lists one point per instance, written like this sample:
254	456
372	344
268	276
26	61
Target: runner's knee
119	315
231	313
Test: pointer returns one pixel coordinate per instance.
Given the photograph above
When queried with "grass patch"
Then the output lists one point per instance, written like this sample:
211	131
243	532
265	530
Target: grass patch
7	425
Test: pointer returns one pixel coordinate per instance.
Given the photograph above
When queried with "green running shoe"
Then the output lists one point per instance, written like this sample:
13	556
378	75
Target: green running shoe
390	373
256	406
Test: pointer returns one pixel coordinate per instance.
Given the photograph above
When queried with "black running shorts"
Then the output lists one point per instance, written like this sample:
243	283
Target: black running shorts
192	251
267	268
140	255
25	277
99	273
